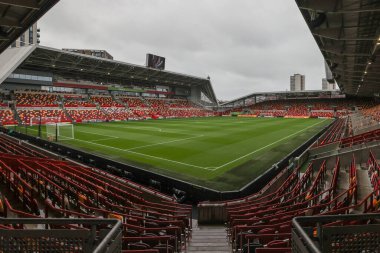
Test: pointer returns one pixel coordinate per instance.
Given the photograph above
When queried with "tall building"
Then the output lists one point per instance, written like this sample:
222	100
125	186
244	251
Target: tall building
326	85
30	37
297	82
97	53
329	75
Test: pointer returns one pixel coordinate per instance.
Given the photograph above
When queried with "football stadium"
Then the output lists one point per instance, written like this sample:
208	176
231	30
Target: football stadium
100	155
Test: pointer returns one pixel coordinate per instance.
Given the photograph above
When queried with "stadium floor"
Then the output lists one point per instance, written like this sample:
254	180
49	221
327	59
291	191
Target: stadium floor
220	153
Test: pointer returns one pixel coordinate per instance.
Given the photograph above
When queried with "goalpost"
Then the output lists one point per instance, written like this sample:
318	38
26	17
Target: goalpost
43	120
59	131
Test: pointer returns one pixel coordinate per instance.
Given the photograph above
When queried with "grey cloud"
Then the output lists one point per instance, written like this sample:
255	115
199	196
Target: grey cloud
244	45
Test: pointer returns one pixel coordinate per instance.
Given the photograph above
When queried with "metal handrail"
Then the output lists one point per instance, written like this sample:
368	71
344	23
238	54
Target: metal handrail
308	242
102	246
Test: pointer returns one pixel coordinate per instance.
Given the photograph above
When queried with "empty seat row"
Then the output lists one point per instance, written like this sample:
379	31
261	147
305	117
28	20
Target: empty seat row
261	221
71	190
36	99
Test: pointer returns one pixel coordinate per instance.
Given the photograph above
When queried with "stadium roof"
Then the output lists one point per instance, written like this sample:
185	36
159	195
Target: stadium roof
287	94
347	33
16	16
70	65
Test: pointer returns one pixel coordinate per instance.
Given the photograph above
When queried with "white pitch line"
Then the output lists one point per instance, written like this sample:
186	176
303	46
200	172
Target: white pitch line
110	137
104	139
95	133
147	128
136	127
97	144
141	154
164	159
168	130
165	142
257	150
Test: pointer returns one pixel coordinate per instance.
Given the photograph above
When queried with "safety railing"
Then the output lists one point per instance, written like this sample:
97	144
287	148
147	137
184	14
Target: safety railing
336	233
60	235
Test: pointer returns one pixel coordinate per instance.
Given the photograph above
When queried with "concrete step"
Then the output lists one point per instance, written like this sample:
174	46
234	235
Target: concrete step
209	239
207	244
209	232
200	236
209	251
364	186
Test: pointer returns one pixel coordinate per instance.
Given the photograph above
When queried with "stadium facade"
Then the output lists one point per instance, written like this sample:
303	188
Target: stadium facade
69	68
97	53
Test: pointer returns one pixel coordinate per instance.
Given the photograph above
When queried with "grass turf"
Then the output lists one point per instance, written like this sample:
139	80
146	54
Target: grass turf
222	153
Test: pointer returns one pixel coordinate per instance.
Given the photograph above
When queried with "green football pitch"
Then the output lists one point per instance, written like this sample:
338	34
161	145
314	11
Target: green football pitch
223	153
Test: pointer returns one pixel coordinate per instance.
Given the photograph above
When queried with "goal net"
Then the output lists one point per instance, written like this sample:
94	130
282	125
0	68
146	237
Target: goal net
44	120
59	131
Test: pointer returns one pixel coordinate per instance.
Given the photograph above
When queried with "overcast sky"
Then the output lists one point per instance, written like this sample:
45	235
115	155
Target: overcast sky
245	46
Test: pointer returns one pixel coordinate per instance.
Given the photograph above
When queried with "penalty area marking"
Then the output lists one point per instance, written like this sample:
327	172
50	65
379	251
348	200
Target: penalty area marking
106	139
111	136
141	154
143	127
173	161
165	142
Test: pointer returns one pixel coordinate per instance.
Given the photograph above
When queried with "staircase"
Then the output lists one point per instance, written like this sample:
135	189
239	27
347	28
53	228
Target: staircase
364	184
15	114
145	101
209	239
117	100
67	114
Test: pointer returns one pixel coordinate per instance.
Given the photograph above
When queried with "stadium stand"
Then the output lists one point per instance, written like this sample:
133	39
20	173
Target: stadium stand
38	186
36	99
46	187
86	115
335	133
325	199
7	117
361	138
257	222
373	112
120	113
47	116
133	101
105	101
75	102
262	222
294	108
83	108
